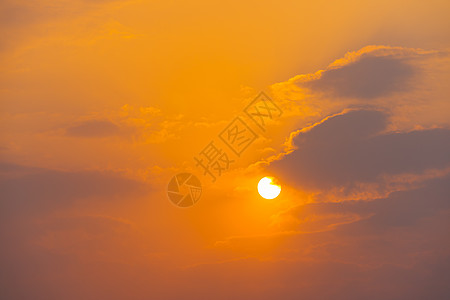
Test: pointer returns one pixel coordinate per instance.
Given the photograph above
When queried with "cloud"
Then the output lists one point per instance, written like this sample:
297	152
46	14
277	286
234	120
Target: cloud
22	21
287	279
352	147
35	191
75	247
371	72
409	83
400	239
399	209
367	78
141	124
94	128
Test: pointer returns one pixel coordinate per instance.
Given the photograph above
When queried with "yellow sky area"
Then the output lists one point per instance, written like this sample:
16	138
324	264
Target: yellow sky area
198	62
184	57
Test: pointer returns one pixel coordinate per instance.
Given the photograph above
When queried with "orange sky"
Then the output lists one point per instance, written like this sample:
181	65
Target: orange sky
103	102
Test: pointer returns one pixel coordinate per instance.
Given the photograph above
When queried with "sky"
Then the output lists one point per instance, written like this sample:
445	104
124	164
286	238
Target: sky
104	103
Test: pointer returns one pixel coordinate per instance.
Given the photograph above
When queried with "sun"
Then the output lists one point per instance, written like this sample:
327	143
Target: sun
268	188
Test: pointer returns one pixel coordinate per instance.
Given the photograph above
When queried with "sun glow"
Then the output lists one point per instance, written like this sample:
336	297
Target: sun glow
268	188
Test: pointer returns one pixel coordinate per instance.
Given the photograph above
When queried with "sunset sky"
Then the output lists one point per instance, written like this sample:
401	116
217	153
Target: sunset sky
103	102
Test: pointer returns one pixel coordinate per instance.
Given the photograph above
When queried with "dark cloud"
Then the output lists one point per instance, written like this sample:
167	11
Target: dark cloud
399	209
14	14
398	250
9	168
43	235
36	243
367	78
31	190
56	258
19	21
94	128
305	279
406	228
349	148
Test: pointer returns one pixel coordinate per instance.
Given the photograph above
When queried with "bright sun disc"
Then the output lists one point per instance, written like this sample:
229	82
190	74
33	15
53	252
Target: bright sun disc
268	189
